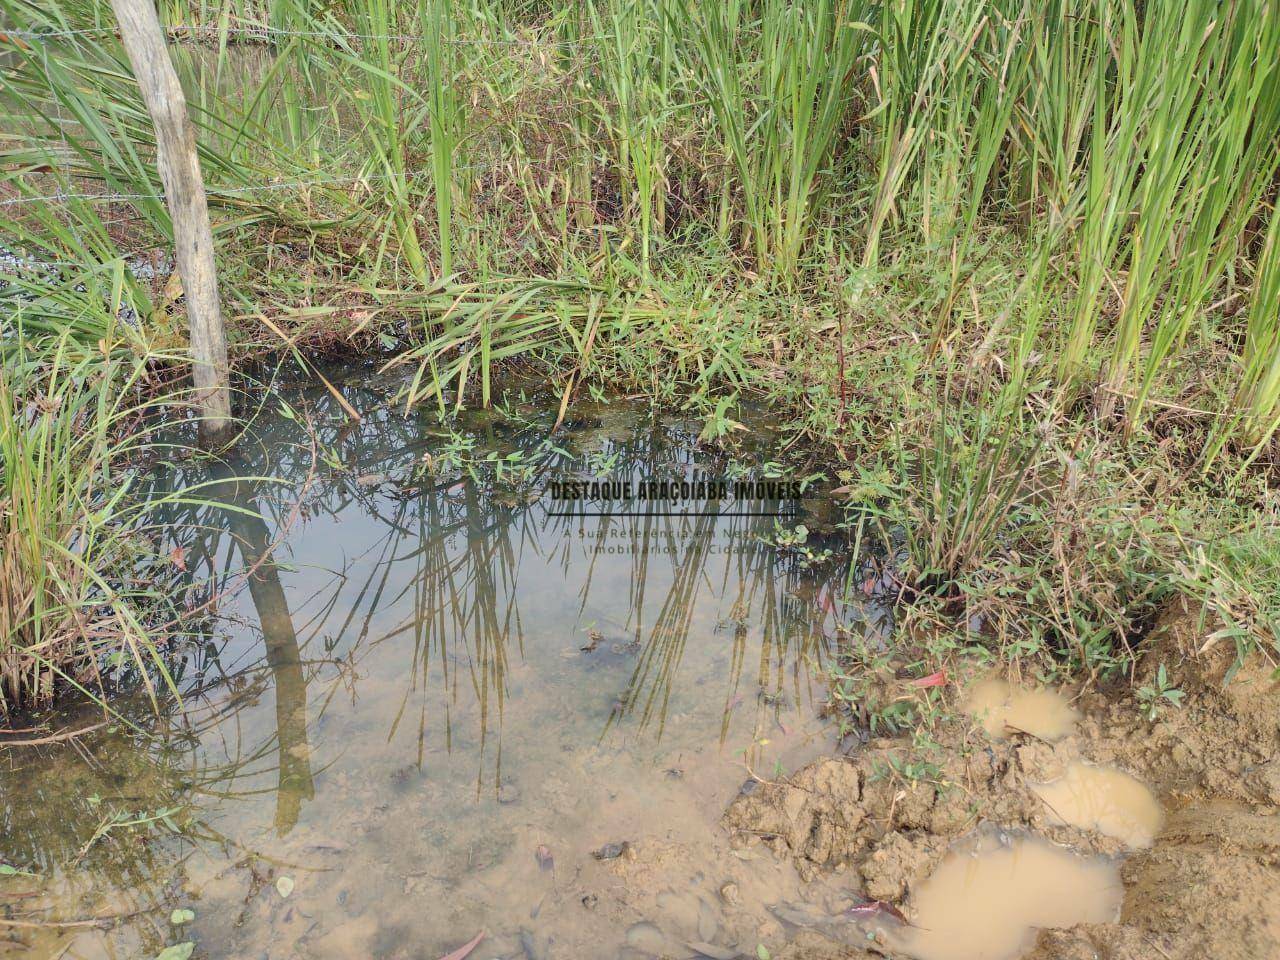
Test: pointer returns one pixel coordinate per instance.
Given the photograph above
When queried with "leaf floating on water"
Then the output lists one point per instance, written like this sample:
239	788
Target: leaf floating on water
711	950
179	951
284	886
875	908
179	917
178	559
465	949
543	855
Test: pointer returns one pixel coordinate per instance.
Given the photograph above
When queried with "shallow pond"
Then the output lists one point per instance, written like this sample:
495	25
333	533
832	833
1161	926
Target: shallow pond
445	704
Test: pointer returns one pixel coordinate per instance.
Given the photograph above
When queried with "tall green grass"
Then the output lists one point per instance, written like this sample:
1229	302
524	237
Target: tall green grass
71	592
1175	157
1120	154
1257	399
633	94
778	80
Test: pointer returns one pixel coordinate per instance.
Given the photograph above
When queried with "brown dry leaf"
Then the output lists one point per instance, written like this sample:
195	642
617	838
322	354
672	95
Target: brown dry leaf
872	908
543	855
465	949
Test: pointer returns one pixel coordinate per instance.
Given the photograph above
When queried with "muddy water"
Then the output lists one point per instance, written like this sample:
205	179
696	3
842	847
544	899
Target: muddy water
443	706
1104	799
989	897
1001	708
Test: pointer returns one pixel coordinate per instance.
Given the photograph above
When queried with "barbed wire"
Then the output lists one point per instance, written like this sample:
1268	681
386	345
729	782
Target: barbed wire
266	32
260	32
214	191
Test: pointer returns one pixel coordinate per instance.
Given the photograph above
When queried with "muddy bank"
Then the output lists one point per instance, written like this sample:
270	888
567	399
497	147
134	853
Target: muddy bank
1200	872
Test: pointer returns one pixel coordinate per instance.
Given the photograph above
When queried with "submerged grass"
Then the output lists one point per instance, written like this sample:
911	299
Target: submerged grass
1016	261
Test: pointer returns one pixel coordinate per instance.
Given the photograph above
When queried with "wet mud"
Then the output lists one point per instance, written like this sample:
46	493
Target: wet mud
1181	810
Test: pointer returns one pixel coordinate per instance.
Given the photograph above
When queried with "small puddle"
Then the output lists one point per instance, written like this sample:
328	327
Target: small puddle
1002	708
444	702
1104	799
993	892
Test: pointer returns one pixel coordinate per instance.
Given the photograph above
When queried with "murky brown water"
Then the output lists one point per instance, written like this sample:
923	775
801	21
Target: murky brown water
1001	708
989	897
422	719
1104	799
1090	797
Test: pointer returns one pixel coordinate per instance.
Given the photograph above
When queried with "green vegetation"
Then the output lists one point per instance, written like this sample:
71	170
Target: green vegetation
68	426
1017	264
1158	695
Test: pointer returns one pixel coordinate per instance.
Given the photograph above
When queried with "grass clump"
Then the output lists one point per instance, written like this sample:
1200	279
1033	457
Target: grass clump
71	597
1015	263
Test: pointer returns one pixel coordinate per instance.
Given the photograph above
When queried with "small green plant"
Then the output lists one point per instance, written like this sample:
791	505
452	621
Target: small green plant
960	489
124	820
810	557
905	768
789	538
719	424
1155	696
862	704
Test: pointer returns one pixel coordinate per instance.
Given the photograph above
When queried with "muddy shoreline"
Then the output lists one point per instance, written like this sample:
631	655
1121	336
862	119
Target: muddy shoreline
1209	884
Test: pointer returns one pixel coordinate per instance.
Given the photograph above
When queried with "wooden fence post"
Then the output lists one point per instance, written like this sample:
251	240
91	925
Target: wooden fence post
179	164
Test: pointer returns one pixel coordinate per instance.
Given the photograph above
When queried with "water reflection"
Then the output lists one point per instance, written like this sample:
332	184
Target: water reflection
432	673
253	540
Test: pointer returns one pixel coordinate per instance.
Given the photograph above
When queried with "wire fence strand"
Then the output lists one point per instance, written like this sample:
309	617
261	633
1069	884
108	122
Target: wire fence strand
215	192
267	33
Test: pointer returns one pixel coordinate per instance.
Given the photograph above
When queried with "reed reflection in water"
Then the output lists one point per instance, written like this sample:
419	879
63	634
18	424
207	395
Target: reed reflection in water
423	670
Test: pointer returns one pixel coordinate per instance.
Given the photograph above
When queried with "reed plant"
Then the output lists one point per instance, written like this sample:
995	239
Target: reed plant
446	120
1072	197
635	83
1174	159
1257	400
779	81
71	594
924	51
